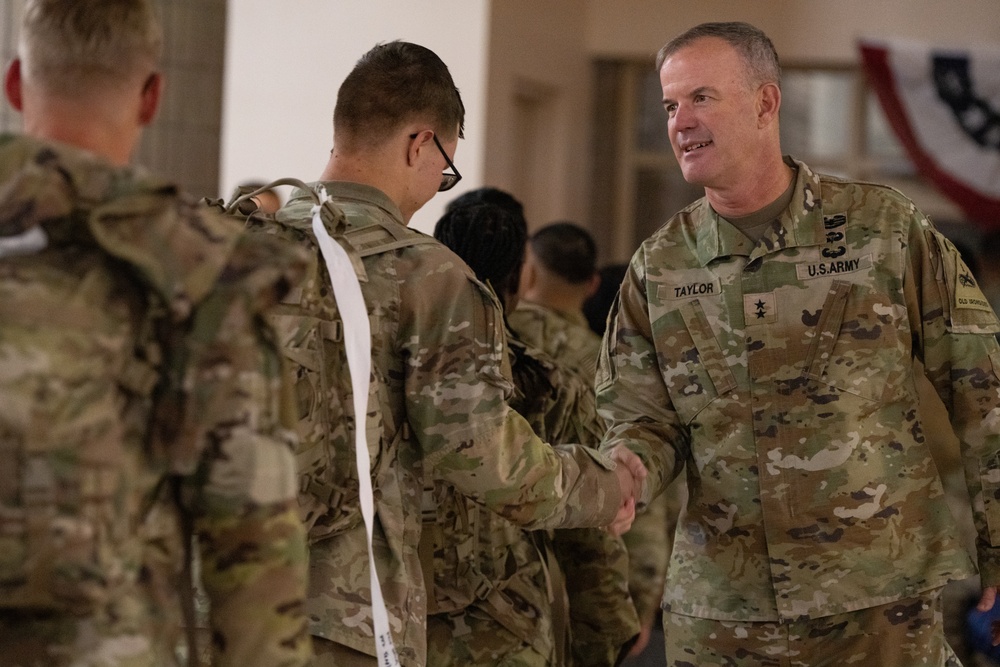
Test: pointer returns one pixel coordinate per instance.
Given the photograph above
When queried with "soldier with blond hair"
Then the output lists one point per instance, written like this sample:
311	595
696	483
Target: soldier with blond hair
141	418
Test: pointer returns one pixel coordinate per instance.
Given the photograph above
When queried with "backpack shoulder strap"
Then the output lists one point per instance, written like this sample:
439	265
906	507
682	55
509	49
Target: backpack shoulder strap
383	237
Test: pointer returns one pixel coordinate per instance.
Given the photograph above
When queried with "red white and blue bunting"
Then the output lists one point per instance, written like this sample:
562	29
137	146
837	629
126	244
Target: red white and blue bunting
945	108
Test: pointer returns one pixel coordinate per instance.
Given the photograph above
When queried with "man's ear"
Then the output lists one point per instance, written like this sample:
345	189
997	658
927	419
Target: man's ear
151	94
418	141
768	103
529	274
12	85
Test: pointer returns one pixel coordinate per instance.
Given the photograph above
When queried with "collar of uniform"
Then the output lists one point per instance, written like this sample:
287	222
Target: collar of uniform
801	224
55	174
359	192
573	317
715	236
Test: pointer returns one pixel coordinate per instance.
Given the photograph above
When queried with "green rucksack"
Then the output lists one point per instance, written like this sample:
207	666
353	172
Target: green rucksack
310	336
71	388
84	318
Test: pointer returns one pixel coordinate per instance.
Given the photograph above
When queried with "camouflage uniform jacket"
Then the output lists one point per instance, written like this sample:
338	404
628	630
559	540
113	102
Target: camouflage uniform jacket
212	423
521	578
598	569
565	337
779	376
439	345
649	543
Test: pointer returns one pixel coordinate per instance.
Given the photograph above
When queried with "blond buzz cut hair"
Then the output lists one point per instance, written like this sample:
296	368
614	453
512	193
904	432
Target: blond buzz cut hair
69	46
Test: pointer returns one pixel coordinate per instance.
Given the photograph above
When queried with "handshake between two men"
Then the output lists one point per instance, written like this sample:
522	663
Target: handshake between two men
631	476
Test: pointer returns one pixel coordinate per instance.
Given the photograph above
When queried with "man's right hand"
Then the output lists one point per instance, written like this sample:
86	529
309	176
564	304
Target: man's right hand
631	475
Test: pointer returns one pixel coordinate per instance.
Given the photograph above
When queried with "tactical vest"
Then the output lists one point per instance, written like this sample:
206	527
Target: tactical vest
310	337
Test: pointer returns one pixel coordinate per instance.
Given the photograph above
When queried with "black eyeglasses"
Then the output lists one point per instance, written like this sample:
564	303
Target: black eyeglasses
448	181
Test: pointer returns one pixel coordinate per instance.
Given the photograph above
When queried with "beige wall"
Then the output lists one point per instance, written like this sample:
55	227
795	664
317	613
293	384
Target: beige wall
802	31
182	144
285	62
538	109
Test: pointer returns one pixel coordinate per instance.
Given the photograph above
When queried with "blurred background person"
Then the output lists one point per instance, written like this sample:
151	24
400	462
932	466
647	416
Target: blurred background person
598	304
268	201
560	273
553	597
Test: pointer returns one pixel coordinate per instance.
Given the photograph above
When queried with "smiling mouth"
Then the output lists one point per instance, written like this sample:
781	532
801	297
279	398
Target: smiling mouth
694	147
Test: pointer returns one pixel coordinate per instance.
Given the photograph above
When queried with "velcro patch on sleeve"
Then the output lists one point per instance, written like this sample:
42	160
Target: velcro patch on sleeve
967	292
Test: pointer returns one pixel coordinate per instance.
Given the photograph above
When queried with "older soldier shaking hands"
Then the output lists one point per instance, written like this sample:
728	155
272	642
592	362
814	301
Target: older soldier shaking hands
763	345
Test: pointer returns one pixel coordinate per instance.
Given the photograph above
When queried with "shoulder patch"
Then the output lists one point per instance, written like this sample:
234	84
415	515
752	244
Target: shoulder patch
967	292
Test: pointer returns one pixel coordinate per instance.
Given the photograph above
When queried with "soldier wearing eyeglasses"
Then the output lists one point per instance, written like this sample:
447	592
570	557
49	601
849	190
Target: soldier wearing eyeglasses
439	350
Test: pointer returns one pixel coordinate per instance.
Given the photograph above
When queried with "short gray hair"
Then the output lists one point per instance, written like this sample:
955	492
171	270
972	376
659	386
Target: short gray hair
750	42
72	45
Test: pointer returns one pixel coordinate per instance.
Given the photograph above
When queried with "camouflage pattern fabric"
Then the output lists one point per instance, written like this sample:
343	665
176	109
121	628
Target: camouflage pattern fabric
778	376
502	589
310	335
899	634
566	337
594	564
196	438
475	638
598	568
649	543
441	352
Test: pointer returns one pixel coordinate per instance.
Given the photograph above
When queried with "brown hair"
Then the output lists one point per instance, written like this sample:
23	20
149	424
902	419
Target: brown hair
392	84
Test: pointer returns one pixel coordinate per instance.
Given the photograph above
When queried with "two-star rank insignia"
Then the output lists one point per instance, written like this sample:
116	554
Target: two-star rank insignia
760	308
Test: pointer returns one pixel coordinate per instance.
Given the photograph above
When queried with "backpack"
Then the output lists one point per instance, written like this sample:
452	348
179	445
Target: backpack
82	322
469	555
309	332
72	390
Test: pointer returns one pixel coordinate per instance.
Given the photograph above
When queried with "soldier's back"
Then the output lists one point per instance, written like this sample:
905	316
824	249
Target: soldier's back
115	297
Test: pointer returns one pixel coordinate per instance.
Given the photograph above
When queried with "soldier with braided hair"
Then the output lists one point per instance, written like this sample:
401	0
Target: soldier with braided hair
508	595
491	240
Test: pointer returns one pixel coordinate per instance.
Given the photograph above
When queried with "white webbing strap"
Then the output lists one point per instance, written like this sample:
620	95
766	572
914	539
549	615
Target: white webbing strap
357	340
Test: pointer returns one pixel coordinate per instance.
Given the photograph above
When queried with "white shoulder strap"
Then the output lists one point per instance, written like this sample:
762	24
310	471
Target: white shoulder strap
357	340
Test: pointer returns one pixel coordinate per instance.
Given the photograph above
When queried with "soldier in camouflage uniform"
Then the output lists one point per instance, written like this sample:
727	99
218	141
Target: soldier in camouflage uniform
763	344
510	606
130	427
440	351
560	273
